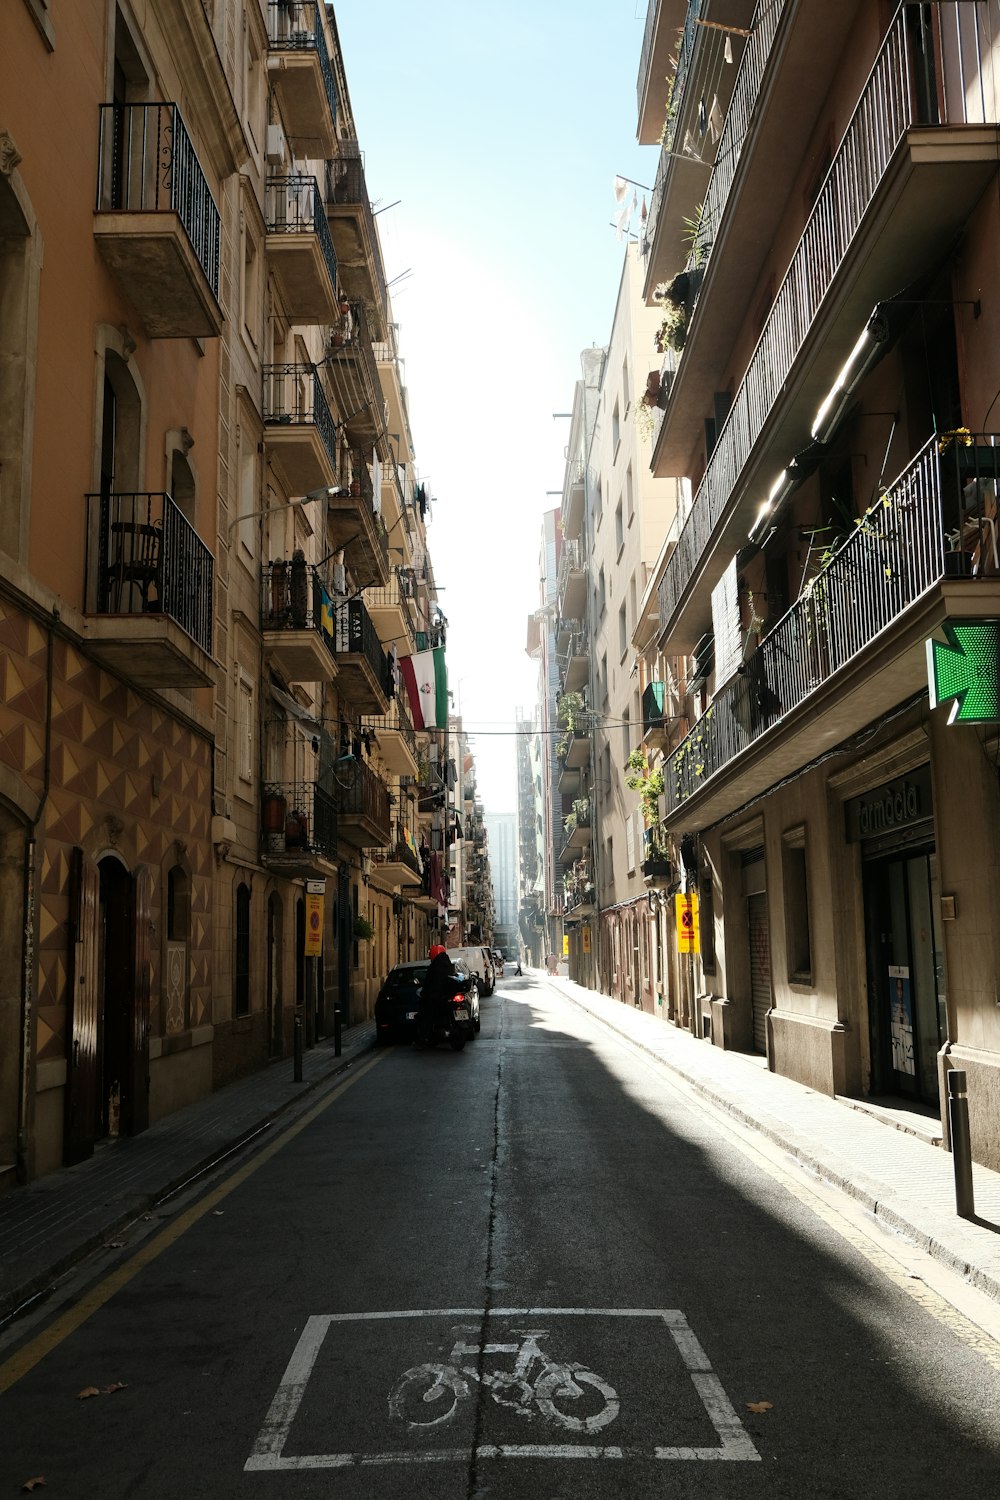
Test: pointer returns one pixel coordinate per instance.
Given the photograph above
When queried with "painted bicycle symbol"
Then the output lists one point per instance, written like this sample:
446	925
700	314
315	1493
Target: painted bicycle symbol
428	1395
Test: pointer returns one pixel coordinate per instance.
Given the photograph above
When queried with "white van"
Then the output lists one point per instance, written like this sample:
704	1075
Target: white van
477	961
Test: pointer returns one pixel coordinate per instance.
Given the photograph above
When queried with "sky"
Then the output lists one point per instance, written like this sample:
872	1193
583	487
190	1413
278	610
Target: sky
495	132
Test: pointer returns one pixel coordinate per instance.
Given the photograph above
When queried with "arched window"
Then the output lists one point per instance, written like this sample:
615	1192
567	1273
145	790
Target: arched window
241	956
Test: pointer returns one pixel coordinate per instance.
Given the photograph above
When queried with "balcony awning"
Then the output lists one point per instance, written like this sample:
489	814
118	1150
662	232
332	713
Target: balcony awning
291	706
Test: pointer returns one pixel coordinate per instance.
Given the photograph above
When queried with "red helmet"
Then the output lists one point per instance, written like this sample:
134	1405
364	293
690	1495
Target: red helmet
438	948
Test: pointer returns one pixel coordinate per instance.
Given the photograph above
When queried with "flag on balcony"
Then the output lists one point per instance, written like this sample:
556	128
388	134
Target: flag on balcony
426	681
325	612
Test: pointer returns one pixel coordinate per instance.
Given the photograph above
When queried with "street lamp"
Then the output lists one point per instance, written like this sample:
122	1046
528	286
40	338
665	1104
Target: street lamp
326	493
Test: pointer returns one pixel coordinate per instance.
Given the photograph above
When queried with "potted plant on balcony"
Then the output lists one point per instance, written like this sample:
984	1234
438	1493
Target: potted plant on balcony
648	783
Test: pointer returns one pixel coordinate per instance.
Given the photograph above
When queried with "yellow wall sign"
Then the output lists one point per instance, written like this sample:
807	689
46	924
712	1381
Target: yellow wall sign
314	926
565	945
586	940
688	931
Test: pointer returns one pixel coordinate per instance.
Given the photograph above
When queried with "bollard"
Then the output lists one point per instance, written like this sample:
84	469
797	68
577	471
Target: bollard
961	1144
298	1049
336	1030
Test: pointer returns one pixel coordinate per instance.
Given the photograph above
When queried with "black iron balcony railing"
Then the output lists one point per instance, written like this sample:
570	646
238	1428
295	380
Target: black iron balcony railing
147	164
398	720
145	557
345	183
692	36
294	205
295	597
354	374
298	817
297	26
398	594
355	635
939	518
889	105
571	561
367	796
399	852
293	397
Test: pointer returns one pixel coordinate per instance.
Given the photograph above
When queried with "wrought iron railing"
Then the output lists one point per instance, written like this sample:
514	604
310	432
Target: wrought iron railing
345	183
145	557
571	560
293	397
147	164
398	720
647	43
366	796
297	26
294	205
350	351
294	596
399	852
889	105
938	518
355	635
691	37
298	817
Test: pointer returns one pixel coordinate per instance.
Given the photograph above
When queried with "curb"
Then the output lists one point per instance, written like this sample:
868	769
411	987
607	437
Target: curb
16	1299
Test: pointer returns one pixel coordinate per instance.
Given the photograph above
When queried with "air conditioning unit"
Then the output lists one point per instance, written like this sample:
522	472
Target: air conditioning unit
275	149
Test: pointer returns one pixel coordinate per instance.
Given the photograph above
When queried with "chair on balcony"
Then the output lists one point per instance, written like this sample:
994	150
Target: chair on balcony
134	566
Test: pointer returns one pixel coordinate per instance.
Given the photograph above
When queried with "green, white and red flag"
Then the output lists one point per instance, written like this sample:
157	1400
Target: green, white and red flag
426	680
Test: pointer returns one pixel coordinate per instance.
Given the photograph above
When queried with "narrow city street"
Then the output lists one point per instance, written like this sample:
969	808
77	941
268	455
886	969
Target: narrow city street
533	1268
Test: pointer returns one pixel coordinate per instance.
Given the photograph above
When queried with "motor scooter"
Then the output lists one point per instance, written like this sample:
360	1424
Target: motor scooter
453	1021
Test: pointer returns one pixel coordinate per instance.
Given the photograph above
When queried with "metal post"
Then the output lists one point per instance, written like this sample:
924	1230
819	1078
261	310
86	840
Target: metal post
336	1030
961	1144
297	1036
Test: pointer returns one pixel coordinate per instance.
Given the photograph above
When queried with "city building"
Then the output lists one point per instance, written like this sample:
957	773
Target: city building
213	559
502	841
830	587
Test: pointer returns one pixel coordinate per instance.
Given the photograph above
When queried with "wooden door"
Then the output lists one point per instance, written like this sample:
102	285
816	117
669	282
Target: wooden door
80	1120
137	1104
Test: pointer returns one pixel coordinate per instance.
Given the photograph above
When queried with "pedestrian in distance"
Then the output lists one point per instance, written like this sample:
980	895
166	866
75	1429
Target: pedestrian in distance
517	971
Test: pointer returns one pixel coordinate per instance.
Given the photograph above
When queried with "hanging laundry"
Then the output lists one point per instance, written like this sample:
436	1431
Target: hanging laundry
715	120
727	51
643	213
702	116
620	187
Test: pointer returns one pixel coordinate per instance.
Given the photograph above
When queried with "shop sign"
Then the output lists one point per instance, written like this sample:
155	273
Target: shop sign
895	804
565	945
586	939
314	926
688	931
966	667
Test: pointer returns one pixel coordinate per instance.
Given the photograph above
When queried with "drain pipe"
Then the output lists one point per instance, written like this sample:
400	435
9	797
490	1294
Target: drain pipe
30	913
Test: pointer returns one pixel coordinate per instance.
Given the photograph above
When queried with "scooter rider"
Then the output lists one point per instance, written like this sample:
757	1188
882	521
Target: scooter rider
436	990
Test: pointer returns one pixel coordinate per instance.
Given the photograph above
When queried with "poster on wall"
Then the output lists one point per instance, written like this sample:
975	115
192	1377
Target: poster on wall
901	1019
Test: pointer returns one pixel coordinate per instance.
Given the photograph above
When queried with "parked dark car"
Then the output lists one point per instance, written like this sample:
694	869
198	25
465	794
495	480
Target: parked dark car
398	1002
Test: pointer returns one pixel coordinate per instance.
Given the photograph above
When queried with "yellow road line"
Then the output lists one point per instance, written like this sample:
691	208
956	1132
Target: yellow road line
15	1368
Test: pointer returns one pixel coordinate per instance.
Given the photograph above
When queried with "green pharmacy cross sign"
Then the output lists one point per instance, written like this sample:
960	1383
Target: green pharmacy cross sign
966	667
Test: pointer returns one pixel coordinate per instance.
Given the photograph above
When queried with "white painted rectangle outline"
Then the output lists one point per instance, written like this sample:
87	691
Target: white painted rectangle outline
268	1450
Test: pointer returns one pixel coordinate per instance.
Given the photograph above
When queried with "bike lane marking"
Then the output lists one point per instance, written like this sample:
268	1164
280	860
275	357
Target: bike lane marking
18	1365
268	1453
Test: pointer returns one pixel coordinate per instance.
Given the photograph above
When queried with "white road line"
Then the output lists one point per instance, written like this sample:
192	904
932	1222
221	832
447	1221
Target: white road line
268	1451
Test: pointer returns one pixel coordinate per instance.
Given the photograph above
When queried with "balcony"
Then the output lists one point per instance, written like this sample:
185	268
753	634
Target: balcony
149	591
156	224
300	250
399	864
354	524
298	830
364	809
654	717
397	739
362	667
691	138
390	371
568	778
301	74
571	584
577	831
898	191
577	753
392	611
300	431
354	380
296	621
664	19
853	647
352	225
574	500
577	662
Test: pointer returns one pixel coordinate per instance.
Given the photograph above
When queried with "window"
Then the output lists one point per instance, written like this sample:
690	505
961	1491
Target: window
39	10
795	881
629	845
706	922
619	529
20	270
245	727
622	631
253	84
241	956
601	593
616	429
629	496
250	289
626	736
604	678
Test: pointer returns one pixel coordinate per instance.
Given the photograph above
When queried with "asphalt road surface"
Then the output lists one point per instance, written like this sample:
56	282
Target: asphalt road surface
534	1269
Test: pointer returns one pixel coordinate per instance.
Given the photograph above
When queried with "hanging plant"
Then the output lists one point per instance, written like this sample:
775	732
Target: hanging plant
363	930
649	784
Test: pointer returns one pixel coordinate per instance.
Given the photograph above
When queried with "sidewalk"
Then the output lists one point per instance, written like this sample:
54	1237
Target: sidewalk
51	1224
905	1181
